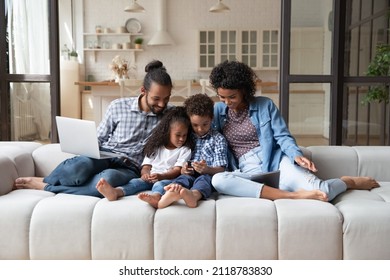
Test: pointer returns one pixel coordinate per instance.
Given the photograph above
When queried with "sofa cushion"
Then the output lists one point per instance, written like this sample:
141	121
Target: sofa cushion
47	157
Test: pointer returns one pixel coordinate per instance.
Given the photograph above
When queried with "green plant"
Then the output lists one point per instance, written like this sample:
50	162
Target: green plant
138	41
73	53
379	66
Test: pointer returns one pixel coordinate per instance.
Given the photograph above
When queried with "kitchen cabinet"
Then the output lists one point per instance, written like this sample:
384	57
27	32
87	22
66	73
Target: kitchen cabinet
257	48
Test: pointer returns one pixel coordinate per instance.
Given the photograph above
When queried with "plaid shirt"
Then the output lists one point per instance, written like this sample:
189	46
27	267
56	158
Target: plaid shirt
212	148
125	128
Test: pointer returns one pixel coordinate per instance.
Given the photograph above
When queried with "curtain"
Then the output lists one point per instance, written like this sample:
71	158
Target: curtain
29	54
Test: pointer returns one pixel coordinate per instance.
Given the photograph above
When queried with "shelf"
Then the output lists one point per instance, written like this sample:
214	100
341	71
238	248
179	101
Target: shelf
113	34
113	50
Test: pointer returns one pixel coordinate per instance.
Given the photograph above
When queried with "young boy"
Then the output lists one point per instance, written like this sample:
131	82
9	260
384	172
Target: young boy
208	158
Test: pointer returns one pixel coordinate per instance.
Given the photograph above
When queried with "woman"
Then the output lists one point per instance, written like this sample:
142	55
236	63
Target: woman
259	141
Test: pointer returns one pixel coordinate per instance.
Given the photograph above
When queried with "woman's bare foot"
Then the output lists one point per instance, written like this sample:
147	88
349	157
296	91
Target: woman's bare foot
313	194
35	183
360	183
171	195
108	191
152	199
191	198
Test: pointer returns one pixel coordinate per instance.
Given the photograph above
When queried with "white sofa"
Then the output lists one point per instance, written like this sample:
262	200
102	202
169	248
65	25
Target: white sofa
41	225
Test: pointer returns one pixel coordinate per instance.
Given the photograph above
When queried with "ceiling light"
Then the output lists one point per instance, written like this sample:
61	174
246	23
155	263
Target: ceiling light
134	8
219	8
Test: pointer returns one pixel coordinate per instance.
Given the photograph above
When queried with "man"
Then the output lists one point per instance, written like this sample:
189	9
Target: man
125	128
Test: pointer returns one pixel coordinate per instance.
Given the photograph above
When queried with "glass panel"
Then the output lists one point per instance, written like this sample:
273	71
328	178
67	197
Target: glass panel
311	39
266	36
203	61
380	5
211	49
253	36
265	60
245	59
211	37
30	111
266	48
355	13
224	49
253	49
29	37
309	113
274	60
211	61
253	61
245	49
245	37
366	8
203	37
364	48
232	37
232	48
203	49
353	53
224	37
364	123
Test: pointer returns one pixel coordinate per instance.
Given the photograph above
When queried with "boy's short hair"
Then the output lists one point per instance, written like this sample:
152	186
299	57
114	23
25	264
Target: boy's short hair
199	104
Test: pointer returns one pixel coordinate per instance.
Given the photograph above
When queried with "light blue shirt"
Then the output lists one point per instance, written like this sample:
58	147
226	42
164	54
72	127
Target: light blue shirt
274	136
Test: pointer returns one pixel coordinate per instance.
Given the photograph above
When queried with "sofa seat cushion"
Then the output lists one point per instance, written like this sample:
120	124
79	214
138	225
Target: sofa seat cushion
366	222
16	210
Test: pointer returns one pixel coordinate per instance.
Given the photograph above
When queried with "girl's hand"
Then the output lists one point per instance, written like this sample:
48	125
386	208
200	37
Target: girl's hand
200	166
187	169
306	163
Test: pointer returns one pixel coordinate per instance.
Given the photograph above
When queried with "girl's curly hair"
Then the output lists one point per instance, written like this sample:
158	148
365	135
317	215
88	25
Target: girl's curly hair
234	75
161	133
199	104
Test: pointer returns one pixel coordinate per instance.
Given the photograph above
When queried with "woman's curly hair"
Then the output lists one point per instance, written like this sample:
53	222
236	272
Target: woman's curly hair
161	133
199	104
234	75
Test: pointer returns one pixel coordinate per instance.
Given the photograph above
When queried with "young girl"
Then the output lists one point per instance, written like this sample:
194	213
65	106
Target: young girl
167	149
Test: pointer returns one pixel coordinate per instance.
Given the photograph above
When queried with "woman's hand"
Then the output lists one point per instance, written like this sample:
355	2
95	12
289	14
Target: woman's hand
306	163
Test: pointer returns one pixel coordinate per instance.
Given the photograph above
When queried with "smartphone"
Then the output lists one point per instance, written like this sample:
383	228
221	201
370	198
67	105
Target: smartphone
189	164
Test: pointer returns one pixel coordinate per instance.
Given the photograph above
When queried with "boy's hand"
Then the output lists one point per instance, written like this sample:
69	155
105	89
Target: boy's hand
188	169
200	166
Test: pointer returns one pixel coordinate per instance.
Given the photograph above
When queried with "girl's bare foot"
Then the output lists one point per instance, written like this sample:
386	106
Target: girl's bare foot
170	196
191	198
35	183
152	199
108	191
360	183
313	194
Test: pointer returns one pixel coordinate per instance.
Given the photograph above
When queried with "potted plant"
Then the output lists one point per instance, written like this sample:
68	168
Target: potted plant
379	66
73	55
138	42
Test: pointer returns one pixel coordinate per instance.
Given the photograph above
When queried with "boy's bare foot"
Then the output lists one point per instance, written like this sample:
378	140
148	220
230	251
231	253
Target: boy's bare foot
191	198
35	183
313	194
108	191
170	196
152	199
360	183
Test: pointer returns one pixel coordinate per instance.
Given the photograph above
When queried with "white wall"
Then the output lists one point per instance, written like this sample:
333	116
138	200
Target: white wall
184	18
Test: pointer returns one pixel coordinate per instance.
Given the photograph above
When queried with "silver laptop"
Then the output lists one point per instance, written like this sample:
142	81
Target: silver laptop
79	137
268	178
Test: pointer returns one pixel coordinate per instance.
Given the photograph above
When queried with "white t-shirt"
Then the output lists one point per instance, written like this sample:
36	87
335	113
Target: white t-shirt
165	159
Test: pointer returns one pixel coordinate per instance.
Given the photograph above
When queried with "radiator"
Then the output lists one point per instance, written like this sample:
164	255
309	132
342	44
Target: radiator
23	127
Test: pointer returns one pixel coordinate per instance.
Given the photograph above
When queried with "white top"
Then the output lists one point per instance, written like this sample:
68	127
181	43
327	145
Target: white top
165	159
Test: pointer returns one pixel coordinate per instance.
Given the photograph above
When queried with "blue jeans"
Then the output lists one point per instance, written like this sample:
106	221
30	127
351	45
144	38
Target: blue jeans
292	178
79	175
201	183
138	185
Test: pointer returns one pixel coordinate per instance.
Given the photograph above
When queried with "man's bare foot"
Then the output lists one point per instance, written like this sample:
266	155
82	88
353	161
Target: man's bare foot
313	194
35	183
360	183
170	196
108	191
191	198
152	199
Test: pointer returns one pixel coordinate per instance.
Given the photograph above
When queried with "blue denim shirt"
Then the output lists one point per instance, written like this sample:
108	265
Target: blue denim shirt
274	136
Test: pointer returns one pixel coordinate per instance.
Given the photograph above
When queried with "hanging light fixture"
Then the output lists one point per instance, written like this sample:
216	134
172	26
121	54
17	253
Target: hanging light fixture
219	8
134	8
